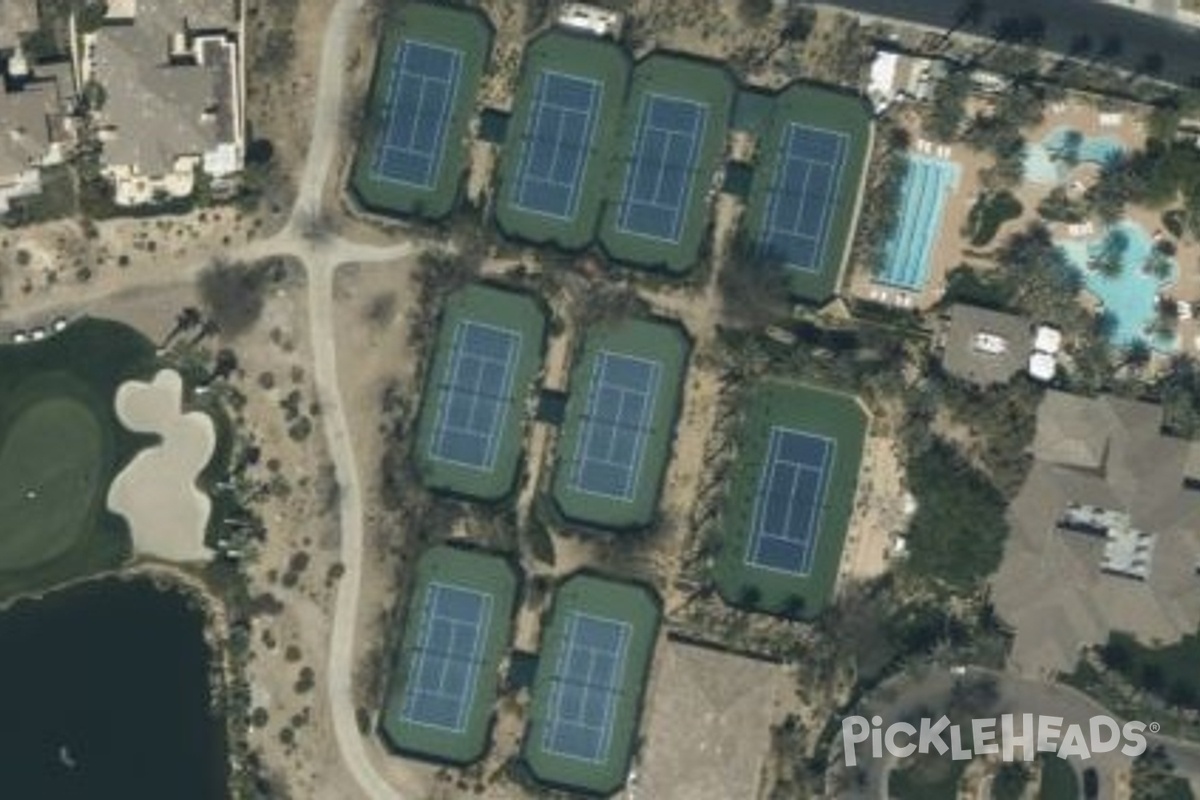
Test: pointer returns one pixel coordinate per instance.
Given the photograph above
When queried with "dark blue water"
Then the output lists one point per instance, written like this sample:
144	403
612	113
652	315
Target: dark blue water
112	677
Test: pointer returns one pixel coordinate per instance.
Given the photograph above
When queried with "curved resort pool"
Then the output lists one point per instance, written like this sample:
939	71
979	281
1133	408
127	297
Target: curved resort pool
1050	161
1130	296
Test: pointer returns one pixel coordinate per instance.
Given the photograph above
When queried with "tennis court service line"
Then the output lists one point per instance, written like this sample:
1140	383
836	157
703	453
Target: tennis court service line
791	495
422	90
444	673
474	397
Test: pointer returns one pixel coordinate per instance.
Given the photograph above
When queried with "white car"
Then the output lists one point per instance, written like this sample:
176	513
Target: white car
37	334
60	324
20	337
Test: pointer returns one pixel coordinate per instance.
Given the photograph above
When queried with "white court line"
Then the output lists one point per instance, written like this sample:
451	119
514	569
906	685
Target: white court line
699	130
776	436
399	69
429	617
620	656
441	426
640	431
769	230
524	179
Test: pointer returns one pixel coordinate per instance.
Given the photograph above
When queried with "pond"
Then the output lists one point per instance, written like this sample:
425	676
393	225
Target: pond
104	693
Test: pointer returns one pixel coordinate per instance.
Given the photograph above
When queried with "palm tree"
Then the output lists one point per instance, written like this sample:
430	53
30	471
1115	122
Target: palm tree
188	318
970	14
1105	324
1107	264
1110	49
1166	322
1151	65
1137	355
1158	265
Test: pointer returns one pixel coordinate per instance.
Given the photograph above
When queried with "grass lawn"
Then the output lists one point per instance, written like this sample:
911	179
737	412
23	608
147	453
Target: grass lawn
1059	781
989	213
50	470
60	446
927	777
1169	672
815	411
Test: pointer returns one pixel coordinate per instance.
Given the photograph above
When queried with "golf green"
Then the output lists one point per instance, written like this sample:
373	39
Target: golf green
61	444
51	463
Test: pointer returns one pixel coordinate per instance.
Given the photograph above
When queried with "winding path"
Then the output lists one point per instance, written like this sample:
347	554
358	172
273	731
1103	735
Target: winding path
322	259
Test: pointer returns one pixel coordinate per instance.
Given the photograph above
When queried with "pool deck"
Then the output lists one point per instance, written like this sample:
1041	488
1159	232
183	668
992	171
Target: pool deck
952	247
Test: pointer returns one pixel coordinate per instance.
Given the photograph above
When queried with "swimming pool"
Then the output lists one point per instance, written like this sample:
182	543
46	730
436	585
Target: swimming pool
1131	296
927	184
1051	160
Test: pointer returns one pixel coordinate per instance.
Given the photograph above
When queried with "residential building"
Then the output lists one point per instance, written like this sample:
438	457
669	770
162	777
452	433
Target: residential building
17	18
1101	466
173	95
34	104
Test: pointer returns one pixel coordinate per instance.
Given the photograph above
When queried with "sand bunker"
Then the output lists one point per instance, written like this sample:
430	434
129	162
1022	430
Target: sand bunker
157	492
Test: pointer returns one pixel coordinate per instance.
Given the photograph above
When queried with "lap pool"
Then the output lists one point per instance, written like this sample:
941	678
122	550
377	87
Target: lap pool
908	252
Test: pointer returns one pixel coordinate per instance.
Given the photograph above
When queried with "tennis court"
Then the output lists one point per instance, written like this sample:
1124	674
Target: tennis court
472	400
671	146
804	194
556	145
443	687
423	86
412	158
809	170
585	686
587	692
626	388
487	355
554	163
790	496
616	424
659	178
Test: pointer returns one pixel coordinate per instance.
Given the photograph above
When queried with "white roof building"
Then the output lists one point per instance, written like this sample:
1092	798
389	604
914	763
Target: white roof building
590	19
1047	340
881	83
173	80
1042	367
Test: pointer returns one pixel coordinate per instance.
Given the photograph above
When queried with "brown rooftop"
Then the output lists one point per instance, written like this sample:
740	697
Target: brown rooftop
968	338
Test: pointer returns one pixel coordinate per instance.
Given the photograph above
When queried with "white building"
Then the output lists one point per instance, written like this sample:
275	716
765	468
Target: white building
173	105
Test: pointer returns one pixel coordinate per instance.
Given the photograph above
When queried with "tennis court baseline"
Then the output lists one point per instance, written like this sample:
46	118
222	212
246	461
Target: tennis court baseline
658	183
556	144
585	686
786	519
445	669
620	408
421	94
473	396
803	196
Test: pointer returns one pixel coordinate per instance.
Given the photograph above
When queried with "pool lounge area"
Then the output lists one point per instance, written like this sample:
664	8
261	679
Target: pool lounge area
1051	161
1131	295
927	185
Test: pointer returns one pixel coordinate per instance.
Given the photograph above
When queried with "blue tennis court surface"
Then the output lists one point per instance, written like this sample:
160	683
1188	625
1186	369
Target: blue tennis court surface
620	408
445	668
474	395
803	194
556	144
659	181
584	689
421	95
787	507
